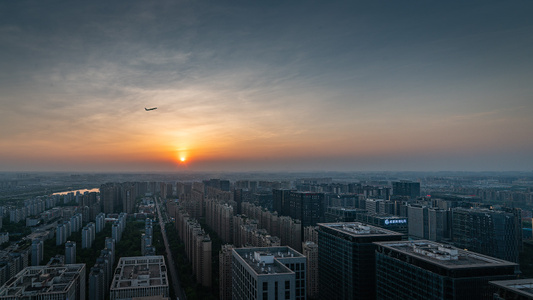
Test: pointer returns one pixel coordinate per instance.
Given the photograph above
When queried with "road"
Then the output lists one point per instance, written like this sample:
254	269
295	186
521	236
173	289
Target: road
170	266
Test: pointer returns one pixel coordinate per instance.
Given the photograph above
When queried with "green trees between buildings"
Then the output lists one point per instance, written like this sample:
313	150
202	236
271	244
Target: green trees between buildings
129	245
193	290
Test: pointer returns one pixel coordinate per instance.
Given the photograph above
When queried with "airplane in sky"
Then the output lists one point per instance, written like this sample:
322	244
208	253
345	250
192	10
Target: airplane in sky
148	109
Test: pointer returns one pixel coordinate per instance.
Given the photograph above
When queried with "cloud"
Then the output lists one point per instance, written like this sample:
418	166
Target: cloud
320	81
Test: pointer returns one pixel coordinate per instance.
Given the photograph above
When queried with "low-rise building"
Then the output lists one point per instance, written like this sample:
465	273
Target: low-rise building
139	276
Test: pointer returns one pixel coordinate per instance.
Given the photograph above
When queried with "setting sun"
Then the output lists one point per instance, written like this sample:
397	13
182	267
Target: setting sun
182	159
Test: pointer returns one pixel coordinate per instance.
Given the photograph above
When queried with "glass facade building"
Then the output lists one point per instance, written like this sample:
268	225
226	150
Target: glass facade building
346	259
429	270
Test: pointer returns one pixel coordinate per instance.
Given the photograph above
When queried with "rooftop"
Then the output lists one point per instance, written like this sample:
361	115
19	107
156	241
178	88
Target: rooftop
522	287
358	229
266	260
140	271
444	255
38	280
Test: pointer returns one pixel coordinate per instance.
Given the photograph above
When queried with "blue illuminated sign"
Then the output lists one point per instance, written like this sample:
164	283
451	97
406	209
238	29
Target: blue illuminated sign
395	221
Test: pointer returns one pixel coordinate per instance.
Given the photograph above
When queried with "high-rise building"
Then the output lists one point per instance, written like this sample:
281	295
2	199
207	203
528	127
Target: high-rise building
86	238
197	247
37	248
346	259
97	290
518	289
128	197
406	188
438	222
110	244
307	207
70	252
140	276
61	234
47	283
428	270
341	214
268	273
386	221
372	206
418	221
224	261
290	232
310	251
280	203
116	232
490	232
76	222
100	222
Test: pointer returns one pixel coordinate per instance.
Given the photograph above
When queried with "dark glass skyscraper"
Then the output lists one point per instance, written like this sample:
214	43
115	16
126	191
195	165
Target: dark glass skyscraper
429	270
346	259
280	201
406	188
490	232
307	207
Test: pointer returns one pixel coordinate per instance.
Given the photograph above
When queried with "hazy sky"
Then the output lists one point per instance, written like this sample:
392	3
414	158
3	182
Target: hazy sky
266	85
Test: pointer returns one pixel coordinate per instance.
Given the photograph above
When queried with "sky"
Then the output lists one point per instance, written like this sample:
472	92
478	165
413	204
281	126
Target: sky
266	86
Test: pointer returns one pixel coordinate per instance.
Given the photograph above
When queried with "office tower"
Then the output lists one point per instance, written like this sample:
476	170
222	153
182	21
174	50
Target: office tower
418	221
307	207
47	283
346	259
387	207
406	188
429	270
150	273
265	273
310	251
238	195
372	206
70	252
224	261
341	214
37	248
439	227
490	232
518	289
385	221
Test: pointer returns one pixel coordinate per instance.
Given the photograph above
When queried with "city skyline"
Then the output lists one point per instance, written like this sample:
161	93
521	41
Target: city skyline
240	86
